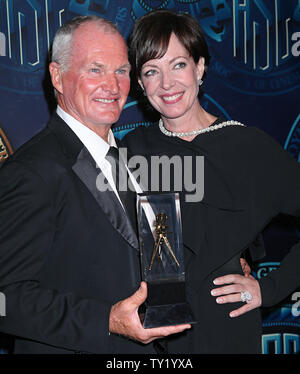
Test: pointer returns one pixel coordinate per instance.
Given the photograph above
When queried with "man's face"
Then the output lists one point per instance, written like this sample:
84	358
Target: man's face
95	87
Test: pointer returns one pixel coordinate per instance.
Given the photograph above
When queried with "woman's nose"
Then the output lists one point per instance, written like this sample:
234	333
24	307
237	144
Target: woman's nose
166	81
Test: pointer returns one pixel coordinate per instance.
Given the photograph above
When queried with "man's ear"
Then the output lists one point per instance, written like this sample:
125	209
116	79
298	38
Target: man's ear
56	76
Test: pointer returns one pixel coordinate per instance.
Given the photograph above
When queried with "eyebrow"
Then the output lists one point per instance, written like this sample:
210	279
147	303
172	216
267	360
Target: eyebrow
128	66
98	65
146	65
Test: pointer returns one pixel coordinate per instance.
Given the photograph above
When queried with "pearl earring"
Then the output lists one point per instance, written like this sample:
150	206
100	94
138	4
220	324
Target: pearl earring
200	81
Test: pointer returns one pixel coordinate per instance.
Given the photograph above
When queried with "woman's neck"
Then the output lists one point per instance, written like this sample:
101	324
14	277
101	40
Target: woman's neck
199	119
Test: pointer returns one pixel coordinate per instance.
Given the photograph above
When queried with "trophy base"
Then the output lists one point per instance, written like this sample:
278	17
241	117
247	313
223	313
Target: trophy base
167	315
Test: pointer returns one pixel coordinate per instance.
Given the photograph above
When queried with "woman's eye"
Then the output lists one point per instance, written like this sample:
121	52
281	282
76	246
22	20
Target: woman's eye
149	73
180	65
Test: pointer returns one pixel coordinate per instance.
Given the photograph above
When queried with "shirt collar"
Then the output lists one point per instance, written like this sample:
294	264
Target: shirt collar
97	147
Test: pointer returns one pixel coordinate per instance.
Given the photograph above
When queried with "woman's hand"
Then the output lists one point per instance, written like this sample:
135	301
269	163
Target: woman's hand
235	284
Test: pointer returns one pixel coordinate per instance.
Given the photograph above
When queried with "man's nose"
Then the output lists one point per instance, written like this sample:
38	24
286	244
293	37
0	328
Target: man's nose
110	83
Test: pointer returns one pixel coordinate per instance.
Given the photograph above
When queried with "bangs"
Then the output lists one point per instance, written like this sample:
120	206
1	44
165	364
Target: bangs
151	35
154	48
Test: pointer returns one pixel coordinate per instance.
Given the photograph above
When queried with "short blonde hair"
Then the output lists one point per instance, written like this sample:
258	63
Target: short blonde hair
62	42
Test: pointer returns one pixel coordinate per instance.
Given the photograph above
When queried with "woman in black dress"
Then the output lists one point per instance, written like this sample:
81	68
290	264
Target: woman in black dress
248	180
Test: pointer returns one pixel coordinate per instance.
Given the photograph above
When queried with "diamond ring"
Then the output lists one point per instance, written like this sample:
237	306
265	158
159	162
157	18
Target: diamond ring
246	296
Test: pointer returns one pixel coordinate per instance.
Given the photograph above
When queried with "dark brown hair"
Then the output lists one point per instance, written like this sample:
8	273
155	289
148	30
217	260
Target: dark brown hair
151	33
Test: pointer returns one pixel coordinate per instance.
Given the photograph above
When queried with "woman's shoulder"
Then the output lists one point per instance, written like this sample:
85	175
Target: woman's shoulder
261	140
255	146
251	136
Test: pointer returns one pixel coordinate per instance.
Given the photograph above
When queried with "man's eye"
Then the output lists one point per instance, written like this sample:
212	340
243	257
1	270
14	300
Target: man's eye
95	70
122	71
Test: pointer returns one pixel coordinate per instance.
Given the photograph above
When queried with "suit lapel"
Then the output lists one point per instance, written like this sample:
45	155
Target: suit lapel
85	168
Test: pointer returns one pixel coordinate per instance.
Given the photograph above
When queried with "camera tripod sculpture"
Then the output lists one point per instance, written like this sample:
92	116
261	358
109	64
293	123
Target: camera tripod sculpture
161	237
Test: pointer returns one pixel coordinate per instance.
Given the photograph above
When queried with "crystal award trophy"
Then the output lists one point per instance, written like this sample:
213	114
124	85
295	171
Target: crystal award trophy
162	260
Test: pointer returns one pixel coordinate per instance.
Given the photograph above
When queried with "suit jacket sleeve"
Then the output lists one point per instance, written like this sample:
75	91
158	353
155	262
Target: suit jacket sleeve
27	227
282	189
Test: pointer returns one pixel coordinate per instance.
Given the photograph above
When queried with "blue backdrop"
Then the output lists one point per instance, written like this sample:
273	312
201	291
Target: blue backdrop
254	77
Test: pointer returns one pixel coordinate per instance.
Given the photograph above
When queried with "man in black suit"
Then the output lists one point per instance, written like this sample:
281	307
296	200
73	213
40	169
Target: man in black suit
69	260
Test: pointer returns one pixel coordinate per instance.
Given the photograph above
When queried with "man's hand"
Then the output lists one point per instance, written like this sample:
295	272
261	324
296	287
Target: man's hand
124	320
232	292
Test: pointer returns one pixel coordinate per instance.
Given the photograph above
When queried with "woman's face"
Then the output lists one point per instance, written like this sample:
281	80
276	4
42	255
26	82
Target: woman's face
171	82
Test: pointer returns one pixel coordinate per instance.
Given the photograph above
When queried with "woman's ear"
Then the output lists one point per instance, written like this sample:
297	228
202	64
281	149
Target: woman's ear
56	76
200	68
142	86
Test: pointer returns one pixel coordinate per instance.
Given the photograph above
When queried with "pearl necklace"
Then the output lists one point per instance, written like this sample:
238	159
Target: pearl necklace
199	131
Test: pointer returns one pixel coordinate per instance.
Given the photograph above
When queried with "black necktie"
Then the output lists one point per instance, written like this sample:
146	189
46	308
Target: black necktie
123	184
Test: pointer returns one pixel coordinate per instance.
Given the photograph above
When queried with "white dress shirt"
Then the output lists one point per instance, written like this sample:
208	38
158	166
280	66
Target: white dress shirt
96	146
98	149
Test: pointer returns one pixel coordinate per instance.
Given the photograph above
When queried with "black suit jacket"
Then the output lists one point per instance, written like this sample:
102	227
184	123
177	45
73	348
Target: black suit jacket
67	253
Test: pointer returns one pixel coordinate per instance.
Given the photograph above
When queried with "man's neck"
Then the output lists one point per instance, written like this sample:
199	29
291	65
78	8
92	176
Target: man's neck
102	131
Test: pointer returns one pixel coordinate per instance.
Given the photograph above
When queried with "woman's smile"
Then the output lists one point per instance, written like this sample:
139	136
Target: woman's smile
172	98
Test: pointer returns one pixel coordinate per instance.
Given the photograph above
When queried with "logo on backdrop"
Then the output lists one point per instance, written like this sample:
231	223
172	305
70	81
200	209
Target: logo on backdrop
27	29
292	144
252	43
280	323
